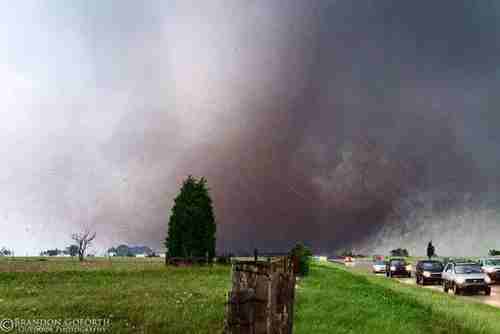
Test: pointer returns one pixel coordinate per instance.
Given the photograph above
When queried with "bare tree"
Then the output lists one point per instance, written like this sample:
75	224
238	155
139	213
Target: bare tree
83	241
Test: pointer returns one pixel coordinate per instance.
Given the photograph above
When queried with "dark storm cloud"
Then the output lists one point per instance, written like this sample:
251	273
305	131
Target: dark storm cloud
110	104
382	72
452	35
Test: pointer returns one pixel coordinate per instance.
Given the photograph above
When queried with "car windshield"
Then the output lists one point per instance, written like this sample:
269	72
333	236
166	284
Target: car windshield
432	266
380	263
398	263
492	262
467	268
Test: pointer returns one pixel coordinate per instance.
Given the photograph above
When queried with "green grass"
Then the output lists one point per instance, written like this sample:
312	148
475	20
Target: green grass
145	296
137	295
335	300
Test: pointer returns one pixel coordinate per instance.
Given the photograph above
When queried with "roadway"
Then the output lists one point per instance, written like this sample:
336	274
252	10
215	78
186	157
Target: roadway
493	299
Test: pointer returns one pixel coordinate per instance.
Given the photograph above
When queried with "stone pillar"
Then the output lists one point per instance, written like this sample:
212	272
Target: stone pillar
262	297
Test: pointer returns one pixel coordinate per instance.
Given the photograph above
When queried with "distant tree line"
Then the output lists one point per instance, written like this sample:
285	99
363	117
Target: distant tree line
6	252
83	241
71	250
51	252
346	253
403	252
494	252
350	253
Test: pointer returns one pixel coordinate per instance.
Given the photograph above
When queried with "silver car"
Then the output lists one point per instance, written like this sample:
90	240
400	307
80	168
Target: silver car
491	267
460	277
378	267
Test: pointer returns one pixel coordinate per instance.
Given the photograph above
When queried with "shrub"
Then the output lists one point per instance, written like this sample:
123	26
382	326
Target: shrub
303	255
224	259
494	252
400	252
345	253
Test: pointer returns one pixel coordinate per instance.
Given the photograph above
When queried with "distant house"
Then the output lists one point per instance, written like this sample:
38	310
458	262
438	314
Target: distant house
162	252
132	251
52	252
140	251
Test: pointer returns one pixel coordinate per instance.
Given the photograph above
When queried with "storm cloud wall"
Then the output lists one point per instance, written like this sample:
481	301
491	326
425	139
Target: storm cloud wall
109	105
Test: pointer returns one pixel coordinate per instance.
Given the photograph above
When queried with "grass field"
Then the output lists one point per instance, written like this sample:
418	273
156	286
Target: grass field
336	300
145	296
137	295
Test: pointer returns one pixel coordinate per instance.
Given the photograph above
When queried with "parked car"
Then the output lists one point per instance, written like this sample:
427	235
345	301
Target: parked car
398	267
428	271
348	259
491	267
461	277
378	267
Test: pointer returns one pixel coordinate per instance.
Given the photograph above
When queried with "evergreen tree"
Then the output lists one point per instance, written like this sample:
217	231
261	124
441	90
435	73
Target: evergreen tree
191	228
430	250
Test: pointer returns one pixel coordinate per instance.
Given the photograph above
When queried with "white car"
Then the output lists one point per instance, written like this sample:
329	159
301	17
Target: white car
378	267
465	276
491	267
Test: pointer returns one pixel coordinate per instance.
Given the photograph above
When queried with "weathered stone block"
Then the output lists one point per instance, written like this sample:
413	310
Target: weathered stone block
261	301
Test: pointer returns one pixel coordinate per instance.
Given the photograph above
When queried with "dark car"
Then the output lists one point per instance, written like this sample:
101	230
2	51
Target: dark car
398	267
429	271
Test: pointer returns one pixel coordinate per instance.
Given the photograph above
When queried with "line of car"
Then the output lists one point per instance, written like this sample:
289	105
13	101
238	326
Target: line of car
456	275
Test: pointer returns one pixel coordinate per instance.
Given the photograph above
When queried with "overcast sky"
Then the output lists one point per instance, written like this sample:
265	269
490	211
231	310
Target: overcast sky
105	106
